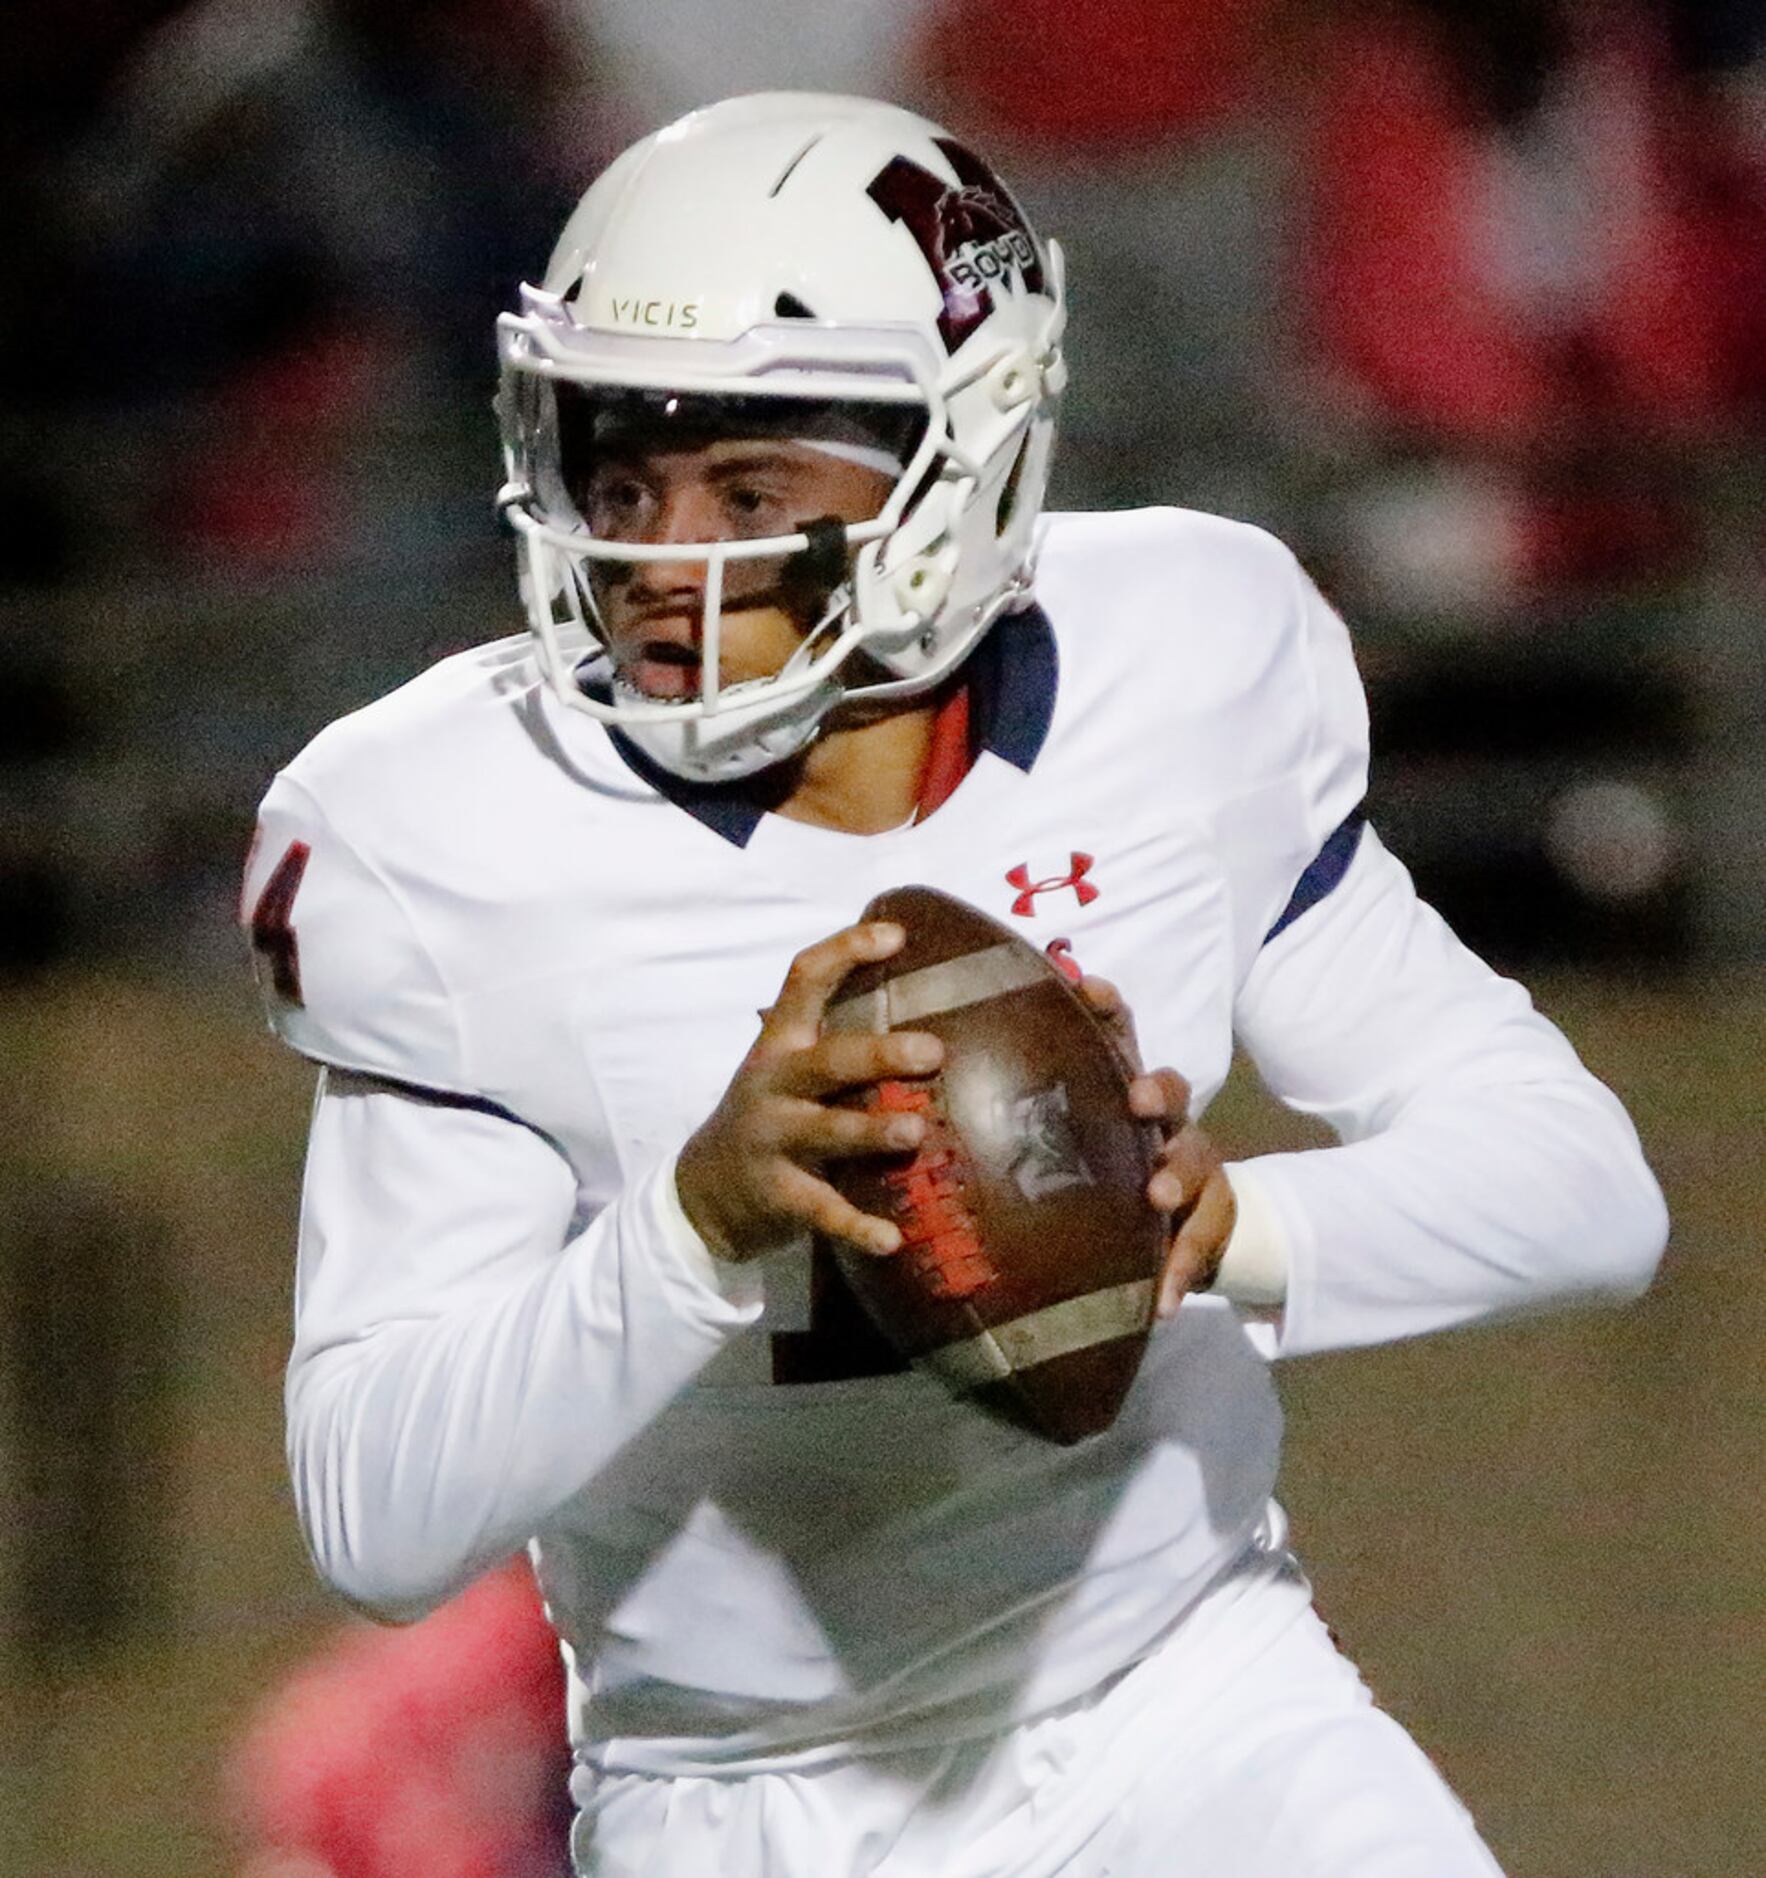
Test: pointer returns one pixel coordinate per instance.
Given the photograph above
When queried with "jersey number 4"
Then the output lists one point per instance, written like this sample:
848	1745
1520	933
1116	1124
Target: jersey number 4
274	947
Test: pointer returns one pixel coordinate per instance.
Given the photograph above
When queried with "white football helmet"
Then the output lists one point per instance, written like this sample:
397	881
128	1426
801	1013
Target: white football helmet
823	268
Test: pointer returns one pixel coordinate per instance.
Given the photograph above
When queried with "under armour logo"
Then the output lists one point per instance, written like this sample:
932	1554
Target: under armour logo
1025	904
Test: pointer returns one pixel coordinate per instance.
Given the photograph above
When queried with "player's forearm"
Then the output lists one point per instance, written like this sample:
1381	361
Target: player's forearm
1475	1204
424	1448
1486	1171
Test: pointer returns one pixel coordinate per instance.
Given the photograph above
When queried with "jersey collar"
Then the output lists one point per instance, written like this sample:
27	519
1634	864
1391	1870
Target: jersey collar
1012	678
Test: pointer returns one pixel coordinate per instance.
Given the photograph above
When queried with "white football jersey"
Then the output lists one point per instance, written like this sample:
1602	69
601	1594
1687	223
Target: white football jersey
532	964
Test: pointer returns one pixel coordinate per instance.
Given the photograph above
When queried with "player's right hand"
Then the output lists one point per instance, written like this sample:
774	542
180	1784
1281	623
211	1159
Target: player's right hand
747	1177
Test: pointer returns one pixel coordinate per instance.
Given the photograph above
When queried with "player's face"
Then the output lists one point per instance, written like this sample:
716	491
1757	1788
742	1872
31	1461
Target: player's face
652	612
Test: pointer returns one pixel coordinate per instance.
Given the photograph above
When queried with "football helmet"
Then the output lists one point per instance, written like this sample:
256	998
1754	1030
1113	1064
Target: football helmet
835	271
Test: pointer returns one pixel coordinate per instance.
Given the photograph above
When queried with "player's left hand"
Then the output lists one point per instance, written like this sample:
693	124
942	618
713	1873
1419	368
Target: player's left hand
1189	1185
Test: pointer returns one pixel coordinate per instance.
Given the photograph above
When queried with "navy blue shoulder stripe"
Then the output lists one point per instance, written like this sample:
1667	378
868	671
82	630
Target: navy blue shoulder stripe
435	1098
1325	869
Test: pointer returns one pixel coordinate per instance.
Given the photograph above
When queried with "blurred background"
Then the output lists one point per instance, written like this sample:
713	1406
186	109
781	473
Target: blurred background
1465	298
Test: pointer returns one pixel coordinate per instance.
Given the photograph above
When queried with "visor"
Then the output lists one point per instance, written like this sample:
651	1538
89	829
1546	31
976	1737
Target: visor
599	425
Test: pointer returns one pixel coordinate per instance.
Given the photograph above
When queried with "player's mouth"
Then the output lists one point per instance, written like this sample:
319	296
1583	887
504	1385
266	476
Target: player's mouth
662	668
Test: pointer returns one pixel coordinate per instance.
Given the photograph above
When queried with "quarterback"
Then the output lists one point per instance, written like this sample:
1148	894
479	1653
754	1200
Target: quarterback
559	919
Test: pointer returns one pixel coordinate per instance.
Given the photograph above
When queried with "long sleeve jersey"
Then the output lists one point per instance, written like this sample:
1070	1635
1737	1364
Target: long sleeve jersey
529	965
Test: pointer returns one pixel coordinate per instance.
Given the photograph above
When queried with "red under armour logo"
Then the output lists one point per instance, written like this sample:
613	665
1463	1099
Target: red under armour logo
1025	904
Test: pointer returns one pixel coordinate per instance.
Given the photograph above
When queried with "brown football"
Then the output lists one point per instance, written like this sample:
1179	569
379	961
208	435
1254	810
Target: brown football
1026	1277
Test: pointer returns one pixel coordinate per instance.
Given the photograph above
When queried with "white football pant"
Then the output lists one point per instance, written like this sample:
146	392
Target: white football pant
1208	1759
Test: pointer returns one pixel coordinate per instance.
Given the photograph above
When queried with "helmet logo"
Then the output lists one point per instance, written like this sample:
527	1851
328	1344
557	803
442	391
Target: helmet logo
970	232
639	312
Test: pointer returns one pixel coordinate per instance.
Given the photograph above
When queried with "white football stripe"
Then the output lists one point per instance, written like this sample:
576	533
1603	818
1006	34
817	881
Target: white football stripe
1040	1336
933	989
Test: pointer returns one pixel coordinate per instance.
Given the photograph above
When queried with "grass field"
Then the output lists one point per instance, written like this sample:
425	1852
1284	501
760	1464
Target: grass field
1545	1544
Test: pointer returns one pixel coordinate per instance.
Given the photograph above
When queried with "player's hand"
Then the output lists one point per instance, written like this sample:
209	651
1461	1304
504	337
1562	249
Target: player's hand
1189	1185
747	1177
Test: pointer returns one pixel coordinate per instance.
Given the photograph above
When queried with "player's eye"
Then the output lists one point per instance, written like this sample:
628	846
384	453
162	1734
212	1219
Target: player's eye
618	504
752	509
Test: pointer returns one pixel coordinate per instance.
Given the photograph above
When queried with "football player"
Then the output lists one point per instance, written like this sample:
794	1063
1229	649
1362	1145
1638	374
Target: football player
777	428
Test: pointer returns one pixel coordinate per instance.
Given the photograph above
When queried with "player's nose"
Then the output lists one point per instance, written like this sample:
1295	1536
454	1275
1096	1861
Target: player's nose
685	515
687	512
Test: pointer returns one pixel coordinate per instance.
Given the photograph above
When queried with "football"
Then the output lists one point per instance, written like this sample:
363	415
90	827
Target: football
1030	1254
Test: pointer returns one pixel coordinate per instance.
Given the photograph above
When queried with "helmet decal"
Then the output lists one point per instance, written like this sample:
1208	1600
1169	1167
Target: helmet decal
970	233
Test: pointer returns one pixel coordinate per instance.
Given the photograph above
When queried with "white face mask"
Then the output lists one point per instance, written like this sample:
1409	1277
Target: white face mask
962	438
